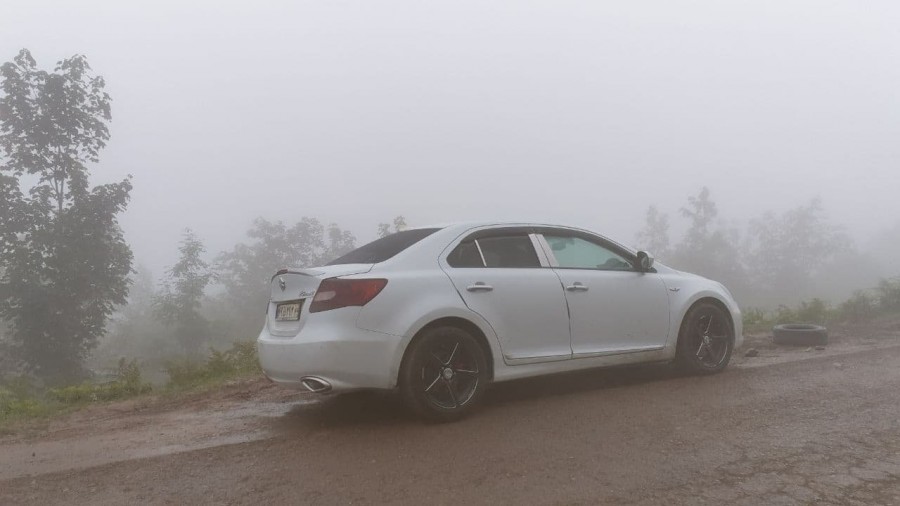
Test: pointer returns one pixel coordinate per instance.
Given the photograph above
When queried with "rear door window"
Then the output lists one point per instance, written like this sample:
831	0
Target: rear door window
465	255
511	251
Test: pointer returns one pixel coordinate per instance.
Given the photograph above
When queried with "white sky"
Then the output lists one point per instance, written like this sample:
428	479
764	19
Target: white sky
581	113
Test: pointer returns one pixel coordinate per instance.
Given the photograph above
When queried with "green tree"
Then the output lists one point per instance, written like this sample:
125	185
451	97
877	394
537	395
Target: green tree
889	295
654	237
339	242
385	229
708	250
786	251
63	259
135	330
702	212
178	304
246	270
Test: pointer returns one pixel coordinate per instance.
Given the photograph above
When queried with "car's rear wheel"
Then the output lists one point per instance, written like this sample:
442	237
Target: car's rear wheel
444	374
706	340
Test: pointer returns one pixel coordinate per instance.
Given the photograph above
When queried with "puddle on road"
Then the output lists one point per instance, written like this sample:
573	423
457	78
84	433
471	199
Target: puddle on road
99	442
93	442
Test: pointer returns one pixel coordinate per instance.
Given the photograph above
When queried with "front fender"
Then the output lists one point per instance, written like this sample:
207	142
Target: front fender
681	307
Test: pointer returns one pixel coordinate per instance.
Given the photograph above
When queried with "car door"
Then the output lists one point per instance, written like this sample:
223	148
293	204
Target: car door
499	274
613	308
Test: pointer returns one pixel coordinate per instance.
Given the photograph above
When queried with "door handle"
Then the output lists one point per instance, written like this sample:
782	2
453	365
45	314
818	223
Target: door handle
479	286
577	287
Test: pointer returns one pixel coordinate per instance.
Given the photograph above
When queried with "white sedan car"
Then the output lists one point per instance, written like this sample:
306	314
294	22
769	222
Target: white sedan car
440	312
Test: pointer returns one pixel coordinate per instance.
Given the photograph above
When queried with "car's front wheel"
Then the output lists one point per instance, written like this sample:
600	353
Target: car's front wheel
706	340
444	374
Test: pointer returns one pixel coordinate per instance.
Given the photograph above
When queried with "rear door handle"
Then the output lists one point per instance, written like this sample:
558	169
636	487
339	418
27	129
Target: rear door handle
577	287
479	286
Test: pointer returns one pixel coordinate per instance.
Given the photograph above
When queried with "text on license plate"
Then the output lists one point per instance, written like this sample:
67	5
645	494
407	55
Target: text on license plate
289	311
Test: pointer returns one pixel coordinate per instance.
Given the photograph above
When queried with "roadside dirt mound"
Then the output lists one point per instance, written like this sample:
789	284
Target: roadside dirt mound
842	338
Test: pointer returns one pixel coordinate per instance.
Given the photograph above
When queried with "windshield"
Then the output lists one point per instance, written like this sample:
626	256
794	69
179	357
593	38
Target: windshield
384	248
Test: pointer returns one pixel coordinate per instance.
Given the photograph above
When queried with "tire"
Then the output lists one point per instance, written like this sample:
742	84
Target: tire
800	334
705	340
443	375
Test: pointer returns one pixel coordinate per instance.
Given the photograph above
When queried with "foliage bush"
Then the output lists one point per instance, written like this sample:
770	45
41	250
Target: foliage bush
813	311
753	317
785	314
127	384
889	294
18	400
859	307
240	360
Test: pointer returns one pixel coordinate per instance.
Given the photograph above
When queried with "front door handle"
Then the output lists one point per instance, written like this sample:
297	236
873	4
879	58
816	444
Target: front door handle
577	287
479	286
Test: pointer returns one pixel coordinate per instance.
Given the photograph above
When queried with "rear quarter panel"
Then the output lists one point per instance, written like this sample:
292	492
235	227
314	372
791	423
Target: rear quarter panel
411	300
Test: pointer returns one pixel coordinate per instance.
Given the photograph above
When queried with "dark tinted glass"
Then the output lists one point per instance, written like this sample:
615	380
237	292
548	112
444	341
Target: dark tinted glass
465	255
384	248
511	251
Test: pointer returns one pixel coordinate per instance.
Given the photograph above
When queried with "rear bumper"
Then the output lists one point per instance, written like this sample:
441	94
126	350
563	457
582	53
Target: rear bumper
355	359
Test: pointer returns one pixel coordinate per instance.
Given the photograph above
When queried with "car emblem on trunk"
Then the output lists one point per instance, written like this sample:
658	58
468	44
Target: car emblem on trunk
282	283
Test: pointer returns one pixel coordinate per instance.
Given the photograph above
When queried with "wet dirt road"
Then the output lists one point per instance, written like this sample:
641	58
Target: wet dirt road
824	429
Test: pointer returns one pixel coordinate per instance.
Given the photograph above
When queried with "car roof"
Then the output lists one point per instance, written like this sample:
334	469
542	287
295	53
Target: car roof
466	225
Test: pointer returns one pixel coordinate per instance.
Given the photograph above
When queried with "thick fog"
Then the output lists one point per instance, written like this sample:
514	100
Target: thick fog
582	113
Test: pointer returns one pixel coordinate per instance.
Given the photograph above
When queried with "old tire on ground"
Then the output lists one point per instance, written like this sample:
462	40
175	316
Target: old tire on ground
705	340
444	374
800	334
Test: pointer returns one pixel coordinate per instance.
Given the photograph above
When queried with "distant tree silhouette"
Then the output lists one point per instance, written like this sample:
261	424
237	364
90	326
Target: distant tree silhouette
246	269
654	237
178	303
385	229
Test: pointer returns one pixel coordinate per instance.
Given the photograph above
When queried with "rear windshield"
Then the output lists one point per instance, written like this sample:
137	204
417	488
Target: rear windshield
384	248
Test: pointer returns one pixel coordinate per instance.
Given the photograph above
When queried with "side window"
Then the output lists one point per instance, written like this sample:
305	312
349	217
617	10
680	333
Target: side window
577	253
506	251
509	251
465	255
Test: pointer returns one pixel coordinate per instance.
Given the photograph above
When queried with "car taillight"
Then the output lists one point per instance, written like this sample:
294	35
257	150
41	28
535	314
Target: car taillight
334	293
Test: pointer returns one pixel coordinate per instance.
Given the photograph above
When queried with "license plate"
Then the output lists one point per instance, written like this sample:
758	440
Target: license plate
287	312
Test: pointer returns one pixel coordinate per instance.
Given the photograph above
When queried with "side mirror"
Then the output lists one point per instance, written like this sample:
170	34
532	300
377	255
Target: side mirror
644	261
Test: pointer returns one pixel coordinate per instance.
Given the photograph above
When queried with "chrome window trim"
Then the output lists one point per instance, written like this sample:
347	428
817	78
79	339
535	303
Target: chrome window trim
502	230
480	253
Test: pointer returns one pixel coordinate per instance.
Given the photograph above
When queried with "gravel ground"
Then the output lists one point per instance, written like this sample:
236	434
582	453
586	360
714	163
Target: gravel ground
789	426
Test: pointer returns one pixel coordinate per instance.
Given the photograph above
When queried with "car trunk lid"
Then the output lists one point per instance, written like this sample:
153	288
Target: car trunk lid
296	284
291	291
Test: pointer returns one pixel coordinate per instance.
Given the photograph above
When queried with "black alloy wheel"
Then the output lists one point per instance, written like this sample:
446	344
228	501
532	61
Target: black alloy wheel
443	374
706	339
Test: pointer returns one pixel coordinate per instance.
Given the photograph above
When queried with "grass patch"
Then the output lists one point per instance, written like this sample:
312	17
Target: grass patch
128	383
813	311
16	404
239	361
20	399
862	306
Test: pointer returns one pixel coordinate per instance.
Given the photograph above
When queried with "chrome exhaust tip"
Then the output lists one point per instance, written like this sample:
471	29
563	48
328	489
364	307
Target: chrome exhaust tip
315	385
